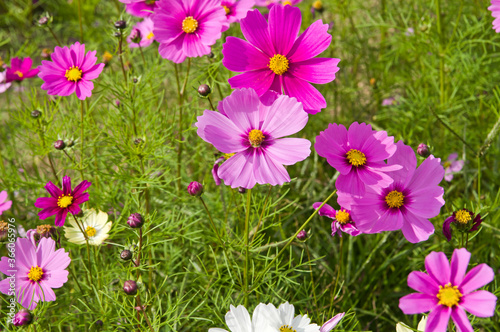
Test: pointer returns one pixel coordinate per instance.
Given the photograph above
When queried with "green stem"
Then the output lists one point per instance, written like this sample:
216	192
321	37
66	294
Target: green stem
212	222
211	105
247	217
41	134
120	54
181	102
55	37
312	277
341	249
80	20
441	53
82	113
142	55
262	214
88	248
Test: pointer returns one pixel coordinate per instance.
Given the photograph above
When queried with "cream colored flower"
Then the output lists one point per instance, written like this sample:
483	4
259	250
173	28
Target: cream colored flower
400	327
95	224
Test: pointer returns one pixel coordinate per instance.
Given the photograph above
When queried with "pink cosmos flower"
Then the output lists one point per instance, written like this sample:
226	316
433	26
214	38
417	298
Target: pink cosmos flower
358	154
140	8
145	29
452	166
254	131
4	203
332	323
71	70
62	201
3	84
389	101
342	221
464	220
20	69
495	12
407	204
268	3
275	58
236	9
445	290
187	28
36	272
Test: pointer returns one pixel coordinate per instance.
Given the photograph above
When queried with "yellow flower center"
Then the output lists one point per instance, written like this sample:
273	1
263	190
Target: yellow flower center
318	5
35	274
106	57
226	8
189	25
228	155
150	35
286	328
463	216
287	3
73	74
356	157
449	295
256	137
18	73
394	199
278	64
64	201
342	217
90	231
43	229
447	164
4	226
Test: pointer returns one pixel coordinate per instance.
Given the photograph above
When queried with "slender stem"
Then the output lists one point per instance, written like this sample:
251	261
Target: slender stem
212	222
55	37
138	299
42	138
139	252
181	102
88	247
262	213
80	20
142	55
312	277
467	240
247	217
120	54
479	181
211	105
341	249
83	137
452	131
72	160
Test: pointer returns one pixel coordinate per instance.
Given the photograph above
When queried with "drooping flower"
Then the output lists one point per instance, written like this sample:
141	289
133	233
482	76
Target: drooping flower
254	131
4	203
495	12
20	69
275	58
62	201
41	231
452	166
147	36
39	269
332	323
96	227
400	327
236	10
187	29
282	318
71	70
358	154
407	204
3	83
342	221
446	290
464	220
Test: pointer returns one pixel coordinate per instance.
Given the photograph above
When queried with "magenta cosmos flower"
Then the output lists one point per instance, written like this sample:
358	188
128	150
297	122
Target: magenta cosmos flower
139	8
495	12
464	220
406	204
145	31
267	3
37	270
452	166
62	201
254	131
20	69
4	203
445	290
236	9
187	28
358	154
70	71
342	221
275	59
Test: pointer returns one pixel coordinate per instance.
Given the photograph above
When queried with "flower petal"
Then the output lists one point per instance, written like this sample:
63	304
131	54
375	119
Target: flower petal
438	267
481	303
417	303
477	278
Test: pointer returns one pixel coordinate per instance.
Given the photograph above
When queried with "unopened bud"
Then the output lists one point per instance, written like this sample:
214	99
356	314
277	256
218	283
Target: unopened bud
195	189
22	318
36	114
204	90
302	235
135	220
130	287
126	255
121	24
59	145
423	150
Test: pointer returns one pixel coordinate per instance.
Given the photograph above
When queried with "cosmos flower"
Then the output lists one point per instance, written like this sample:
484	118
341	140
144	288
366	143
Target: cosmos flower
342	221
400	327
62	201
71	70
332	323
41	231
187	28
254	131
20	69
275	58
282	318
495	12
217	163
39	269
3	84
4	203
407	204
268	3
145	32
446	290
238	320
464	220
358	154
452	166
140	8
95	224
389	101
236	9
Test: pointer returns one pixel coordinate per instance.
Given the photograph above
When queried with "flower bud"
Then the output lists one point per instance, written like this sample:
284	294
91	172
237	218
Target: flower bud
204	90
242	190
423	150
211	55
126	255
135	220
135	80
130	287
59	145
302	235
195	189
117	34
99	323
138	141
36	114
121	24
22	318
135	36
46	52
43	20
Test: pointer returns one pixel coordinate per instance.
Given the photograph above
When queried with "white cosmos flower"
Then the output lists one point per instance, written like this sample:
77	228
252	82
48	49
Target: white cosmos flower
95	224
400	327
283	320
238	320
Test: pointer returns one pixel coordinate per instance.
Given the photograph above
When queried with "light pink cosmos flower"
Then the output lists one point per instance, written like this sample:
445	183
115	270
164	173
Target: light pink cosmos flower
495	12
332	323
139	8
37	271
358	154
236	10
3	84
342	221
20	69
145	29
187	28
4	203
446	290
407	204
452	166
71	70
254	131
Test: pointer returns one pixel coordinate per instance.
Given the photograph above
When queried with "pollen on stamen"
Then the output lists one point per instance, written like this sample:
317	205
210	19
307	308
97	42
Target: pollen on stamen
356	158
189	25
395	199
463	216
342	217
64	201
279	64
227	9
449	295
150	35
35	273
73	74
256	137
90	231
